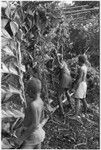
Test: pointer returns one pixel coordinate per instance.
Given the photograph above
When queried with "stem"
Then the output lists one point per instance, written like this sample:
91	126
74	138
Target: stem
45	81
21	74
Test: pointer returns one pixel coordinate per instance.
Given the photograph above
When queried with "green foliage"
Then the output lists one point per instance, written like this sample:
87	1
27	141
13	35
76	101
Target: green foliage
12	89
30	31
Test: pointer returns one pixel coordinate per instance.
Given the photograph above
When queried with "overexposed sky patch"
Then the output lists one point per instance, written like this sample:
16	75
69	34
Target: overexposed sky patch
67	1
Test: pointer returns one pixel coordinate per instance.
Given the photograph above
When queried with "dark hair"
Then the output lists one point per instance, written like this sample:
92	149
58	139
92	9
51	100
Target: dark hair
33	87
82	59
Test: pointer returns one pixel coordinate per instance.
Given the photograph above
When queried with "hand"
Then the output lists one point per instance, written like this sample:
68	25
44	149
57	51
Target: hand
17	141
73	90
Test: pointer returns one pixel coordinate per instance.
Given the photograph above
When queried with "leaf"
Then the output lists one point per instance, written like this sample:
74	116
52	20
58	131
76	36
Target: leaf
5	114
13	44
13	90
3	94
19	34
4	68
6	34
20	13
5	144
18	113
6	127
14	27
12	113
4	41
17	19
8	59
8	51
4	22
8	95
12	70
22	67
7	12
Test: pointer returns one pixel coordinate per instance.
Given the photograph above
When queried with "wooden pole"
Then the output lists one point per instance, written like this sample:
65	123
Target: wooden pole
76	7
82	11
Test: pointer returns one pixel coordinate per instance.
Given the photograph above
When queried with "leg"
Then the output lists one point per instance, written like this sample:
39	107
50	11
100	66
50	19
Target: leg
77	106
84	105
26	145
60	102
68	97
38	146
31	146
77	110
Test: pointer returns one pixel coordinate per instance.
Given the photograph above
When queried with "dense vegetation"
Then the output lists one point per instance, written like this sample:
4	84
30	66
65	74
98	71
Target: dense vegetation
30	31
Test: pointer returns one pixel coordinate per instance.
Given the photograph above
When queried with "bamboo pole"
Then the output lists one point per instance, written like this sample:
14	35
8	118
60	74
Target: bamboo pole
81	11
75	7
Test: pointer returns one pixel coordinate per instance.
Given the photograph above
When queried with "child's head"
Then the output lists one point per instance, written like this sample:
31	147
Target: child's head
82	59
33	87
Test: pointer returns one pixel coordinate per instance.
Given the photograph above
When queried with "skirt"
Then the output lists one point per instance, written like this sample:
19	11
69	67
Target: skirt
36	137
81	90
66	81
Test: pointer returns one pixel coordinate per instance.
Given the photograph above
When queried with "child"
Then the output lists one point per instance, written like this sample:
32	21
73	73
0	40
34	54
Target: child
34	134
81	86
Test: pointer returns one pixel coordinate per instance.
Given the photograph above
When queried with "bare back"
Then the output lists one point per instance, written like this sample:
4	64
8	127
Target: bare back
83	73
37	108
33	113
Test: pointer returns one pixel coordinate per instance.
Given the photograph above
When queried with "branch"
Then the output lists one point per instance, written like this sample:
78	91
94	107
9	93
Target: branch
21	75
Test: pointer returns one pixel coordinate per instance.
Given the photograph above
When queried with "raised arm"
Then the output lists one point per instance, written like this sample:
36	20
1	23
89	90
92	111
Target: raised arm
57	59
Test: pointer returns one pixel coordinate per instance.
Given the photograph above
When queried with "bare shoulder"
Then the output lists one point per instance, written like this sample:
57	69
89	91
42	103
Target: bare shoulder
37	102
84	68
33	105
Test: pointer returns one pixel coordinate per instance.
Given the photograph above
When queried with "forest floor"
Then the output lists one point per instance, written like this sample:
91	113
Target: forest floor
74	134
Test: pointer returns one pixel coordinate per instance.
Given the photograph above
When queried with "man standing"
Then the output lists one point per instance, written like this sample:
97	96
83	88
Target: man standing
65	80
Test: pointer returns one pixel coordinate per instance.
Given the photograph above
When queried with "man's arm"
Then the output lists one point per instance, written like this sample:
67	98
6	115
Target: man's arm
56	56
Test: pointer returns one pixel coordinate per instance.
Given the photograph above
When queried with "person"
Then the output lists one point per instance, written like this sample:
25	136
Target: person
65	81
33	134
81	86
64	78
